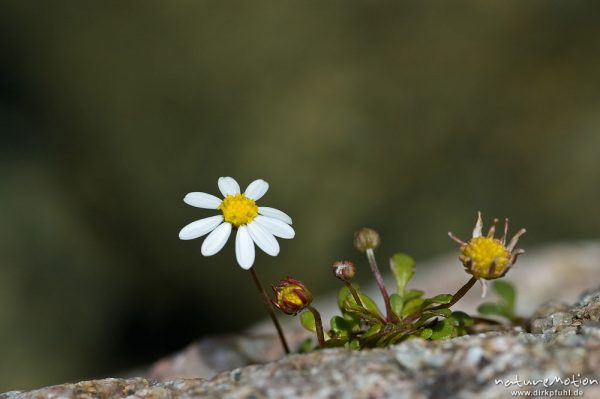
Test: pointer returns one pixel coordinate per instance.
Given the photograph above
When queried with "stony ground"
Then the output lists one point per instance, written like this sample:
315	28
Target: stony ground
565	343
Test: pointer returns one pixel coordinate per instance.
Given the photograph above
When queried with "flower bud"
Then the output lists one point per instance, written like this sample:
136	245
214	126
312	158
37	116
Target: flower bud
291	296
344	270
366	238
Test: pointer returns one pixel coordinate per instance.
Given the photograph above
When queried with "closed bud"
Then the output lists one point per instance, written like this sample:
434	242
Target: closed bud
291	296
366	238
344	270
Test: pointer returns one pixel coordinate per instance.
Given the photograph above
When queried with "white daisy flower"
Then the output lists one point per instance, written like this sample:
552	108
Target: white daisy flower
255	224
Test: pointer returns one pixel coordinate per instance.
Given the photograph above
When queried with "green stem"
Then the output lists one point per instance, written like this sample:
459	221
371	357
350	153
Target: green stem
269	308
354	294
386	298
318	325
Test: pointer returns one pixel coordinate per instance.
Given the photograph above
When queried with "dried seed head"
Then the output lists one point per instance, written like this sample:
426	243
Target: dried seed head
344	270
366	238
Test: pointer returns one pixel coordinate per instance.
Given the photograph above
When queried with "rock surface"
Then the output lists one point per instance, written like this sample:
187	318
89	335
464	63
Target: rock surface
565	344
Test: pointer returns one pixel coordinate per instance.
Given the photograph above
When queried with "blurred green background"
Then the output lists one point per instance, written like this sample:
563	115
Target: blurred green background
407	117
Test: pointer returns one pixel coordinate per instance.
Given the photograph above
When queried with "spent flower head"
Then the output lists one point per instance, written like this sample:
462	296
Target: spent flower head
291	296
365	239
344	270
254	224
486	257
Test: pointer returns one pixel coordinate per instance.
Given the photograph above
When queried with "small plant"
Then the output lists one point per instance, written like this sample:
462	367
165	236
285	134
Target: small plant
361	324
408	312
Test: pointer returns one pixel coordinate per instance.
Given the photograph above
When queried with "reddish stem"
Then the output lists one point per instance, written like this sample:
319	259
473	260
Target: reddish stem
386	298
269	308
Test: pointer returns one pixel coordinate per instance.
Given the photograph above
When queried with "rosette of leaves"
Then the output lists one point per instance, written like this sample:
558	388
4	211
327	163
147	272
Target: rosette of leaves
362	324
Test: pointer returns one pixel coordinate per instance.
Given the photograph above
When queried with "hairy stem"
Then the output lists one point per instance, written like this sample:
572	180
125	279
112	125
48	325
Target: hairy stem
319	325
386	298
268	306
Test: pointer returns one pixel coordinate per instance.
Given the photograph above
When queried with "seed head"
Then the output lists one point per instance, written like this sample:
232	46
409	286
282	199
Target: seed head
366	238
344	270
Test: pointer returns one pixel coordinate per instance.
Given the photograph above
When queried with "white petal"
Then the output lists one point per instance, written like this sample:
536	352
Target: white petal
200	227
274	213
478	226
228	186
216	239
263	239
244	248
202	200
256	189
275	226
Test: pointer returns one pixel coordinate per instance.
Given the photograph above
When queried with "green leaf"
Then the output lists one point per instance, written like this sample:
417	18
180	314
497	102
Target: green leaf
307	319
394	337
306	346
442	329
403	268
342	295
441	299
490	309
445	312
429	314
362	314
353	321
372	331
345	298
400	337
462	319
369	304
505	291
340	326
354	344
385	338
397	302
505	307
336	342
410	294
426	333
411	306
424	318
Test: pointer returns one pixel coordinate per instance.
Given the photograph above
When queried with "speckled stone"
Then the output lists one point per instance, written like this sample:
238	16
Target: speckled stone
464	367
461	367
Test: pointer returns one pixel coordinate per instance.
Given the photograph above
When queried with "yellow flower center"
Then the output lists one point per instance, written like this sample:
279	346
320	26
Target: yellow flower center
483	252
288	294
238	209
